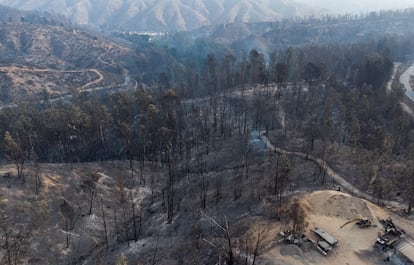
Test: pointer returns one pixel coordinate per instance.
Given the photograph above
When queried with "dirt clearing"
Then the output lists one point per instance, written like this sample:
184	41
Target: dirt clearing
330	210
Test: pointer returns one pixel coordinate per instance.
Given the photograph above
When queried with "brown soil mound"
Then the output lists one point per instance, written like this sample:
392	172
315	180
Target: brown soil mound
339	205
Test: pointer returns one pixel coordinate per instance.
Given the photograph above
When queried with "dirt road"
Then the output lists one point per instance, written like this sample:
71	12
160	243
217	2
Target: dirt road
331	173
405	80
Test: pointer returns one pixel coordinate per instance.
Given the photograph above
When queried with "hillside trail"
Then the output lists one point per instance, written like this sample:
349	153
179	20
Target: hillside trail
352	189
95	82
83	89
99	79
125	84
103	61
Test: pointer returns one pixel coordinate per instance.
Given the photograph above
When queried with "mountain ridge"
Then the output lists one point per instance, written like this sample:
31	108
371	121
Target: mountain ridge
10	14
166	15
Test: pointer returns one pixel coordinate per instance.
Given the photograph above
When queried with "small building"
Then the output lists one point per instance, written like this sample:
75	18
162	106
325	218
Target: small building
330	239
325	241
324	246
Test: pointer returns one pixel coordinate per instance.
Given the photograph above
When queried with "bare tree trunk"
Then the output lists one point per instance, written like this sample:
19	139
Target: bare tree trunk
155	251
152	187
131	166
143	156
230	250
203	193
67	232
126	225
276	177
104	223
134	220
170	190
116	225
140	222
246	250
218	190
17	252
37	177
91	201
6	235
256	249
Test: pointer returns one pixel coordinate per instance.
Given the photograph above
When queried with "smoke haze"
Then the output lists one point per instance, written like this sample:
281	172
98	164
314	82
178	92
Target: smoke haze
358	6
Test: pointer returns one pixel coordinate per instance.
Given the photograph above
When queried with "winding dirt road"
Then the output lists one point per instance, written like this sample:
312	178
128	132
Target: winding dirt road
331	173
405	80
95	82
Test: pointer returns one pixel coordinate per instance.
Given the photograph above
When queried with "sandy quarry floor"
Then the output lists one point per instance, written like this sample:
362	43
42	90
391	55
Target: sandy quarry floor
330	210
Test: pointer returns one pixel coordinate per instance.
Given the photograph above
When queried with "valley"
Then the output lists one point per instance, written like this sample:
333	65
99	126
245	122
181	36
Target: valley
247	143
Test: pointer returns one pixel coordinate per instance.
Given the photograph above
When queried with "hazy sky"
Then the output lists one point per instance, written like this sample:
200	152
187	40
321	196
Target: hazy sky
359	5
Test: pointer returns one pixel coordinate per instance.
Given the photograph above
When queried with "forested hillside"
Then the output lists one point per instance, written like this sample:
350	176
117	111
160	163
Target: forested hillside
344	29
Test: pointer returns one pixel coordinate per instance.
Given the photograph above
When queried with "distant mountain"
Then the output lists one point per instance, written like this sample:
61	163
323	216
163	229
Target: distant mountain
9	14
165	15
335	29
